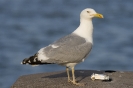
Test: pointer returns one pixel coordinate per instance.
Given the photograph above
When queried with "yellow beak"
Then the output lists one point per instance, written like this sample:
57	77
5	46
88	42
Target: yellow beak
98	15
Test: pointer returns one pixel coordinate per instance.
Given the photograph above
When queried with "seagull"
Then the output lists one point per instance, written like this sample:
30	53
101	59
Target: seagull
70	49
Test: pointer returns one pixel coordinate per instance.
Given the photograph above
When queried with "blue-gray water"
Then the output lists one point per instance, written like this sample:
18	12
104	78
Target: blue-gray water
28	25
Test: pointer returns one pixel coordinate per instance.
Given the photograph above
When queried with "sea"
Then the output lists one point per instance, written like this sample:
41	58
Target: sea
28	25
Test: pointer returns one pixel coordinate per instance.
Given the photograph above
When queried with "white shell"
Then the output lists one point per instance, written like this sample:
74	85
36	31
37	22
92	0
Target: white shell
99	77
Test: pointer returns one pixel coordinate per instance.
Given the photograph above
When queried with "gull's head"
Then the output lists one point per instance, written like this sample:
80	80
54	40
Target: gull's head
89	13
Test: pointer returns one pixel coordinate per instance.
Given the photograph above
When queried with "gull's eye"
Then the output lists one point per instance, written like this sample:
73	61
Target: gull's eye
88	12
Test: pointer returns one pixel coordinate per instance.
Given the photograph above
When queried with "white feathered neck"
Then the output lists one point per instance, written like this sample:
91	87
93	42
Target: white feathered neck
85	29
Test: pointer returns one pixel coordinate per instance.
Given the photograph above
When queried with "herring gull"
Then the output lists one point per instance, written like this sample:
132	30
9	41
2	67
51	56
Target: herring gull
70	49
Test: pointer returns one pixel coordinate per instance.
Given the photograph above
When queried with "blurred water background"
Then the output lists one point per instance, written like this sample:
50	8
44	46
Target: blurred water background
28	25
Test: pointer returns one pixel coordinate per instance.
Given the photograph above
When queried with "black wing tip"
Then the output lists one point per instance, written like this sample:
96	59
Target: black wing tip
25	61
33	60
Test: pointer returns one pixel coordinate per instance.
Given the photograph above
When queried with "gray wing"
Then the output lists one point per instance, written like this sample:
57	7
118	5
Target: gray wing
68	49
